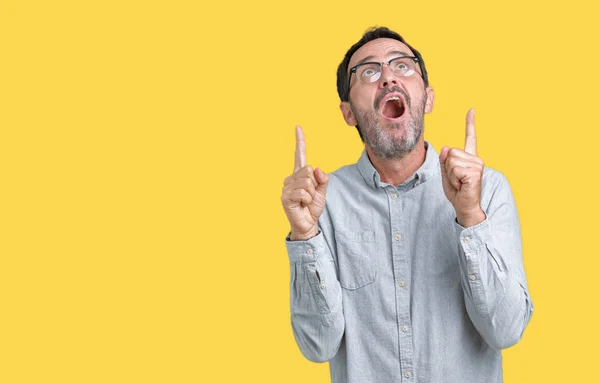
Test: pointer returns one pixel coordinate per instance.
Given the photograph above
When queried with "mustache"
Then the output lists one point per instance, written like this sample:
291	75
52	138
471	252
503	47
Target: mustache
386	91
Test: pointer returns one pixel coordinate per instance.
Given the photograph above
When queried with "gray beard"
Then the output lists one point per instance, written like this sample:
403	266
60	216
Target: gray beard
385	145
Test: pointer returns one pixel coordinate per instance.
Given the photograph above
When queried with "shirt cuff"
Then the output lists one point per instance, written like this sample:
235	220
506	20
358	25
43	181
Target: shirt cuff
471	239
306	251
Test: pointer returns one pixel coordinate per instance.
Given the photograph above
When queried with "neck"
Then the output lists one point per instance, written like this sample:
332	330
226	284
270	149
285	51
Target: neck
396	171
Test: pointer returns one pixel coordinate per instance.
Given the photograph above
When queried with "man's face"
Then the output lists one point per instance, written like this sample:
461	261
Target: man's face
390	127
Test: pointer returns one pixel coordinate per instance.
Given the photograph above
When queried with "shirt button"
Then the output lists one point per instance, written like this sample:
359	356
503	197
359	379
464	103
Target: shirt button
405	328
467	239
397	237
309	251
394	196
407	374
323	286
401	283
473	277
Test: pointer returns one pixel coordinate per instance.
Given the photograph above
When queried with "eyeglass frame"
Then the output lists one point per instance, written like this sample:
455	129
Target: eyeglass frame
381	64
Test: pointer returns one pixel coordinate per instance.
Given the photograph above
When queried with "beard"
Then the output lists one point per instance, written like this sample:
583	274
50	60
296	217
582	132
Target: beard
386	144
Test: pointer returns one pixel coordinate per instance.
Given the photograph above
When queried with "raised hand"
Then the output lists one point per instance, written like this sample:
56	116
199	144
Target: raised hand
462	172
303	195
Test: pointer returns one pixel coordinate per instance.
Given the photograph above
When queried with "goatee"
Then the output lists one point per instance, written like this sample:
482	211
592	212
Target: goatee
385	144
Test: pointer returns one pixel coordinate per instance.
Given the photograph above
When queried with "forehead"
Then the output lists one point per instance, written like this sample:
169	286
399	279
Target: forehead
380	49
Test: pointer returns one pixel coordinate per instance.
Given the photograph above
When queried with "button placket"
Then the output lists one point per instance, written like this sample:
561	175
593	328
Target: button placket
401	265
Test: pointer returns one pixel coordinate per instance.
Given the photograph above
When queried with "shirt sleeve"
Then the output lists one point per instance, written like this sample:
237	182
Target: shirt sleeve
315	298
492	272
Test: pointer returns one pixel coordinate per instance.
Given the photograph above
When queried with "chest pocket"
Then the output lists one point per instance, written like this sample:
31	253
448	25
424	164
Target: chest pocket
356	258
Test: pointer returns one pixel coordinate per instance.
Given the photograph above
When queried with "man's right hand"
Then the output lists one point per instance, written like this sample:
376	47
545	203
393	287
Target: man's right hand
303	195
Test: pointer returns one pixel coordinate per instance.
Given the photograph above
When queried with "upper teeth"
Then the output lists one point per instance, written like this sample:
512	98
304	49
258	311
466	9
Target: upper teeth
393	98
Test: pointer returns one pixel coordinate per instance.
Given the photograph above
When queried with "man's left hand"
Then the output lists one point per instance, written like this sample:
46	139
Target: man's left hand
462	171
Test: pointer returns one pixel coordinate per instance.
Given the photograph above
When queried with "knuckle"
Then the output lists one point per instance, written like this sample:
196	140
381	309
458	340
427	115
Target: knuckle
307	185
454	164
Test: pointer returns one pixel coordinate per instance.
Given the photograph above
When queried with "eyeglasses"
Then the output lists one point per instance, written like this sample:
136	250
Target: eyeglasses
371	71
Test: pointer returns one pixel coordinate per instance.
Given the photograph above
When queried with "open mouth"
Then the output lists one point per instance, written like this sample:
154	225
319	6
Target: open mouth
393	107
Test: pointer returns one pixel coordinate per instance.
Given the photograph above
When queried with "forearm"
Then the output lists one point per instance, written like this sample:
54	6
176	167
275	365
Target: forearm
494	284
315	299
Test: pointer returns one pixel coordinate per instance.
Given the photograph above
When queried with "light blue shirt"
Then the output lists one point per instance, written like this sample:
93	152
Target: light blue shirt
393	289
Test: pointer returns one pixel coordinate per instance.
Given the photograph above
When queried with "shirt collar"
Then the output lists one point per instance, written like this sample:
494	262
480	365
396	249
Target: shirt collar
428	169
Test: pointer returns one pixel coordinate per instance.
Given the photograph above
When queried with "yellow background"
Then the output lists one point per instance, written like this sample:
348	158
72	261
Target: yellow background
143	147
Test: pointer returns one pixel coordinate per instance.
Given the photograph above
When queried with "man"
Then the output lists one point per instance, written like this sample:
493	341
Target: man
407	266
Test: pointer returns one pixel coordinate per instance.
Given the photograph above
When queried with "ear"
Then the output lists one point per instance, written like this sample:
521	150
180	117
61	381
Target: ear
430	98
347	113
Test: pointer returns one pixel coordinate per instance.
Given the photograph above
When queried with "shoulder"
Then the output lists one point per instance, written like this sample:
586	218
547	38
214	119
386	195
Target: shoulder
343	176
492	177
494	184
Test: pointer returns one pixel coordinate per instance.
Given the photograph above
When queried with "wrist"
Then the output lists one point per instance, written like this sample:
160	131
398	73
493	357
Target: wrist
471	218
304	236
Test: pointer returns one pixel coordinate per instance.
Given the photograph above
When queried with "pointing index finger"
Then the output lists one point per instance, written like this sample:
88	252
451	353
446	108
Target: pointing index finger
470	137
300	160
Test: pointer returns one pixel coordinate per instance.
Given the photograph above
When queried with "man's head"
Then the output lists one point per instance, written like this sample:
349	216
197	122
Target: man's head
385	102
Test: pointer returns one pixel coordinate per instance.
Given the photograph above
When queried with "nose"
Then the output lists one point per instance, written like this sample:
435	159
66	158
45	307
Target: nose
388	78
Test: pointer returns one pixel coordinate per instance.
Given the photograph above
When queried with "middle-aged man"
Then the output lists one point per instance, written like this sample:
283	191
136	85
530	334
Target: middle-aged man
411	269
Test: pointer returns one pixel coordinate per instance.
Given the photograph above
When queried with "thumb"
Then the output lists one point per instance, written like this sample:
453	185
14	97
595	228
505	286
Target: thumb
323	179
443	156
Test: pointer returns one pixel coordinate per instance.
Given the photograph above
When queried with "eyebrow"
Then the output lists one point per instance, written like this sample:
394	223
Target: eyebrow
370	58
